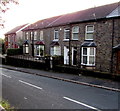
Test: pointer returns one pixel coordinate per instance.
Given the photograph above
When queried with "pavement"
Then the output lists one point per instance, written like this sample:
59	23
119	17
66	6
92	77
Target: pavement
78	79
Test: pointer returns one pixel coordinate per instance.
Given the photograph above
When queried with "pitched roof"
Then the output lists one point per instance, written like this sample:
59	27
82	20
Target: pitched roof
42	23
80	16
14	30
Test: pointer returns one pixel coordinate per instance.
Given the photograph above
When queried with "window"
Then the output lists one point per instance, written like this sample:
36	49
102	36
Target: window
56	34
35	35
40	50
26	36
56	50
26	48
75	32
88	55
66	34
89	32
41	35
31	35
8	39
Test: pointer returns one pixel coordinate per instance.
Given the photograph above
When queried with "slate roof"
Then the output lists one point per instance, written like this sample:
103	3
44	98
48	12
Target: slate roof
14	30
80	16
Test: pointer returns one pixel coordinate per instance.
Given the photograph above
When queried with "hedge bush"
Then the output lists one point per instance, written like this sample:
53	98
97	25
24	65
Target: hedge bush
14	52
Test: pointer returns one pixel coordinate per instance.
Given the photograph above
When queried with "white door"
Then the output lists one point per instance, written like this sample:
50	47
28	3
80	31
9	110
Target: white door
66	55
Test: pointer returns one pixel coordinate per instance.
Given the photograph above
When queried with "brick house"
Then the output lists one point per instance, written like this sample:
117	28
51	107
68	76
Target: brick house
13	38
87	39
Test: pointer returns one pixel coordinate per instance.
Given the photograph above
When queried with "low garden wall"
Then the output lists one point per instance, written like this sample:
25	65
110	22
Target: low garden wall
57	68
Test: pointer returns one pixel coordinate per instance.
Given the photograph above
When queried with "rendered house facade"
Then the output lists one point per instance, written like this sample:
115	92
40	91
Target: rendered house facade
87	39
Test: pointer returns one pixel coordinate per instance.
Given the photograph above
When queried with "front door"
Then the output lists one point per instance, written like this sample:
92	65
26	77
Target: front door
74	55
118	62
66	55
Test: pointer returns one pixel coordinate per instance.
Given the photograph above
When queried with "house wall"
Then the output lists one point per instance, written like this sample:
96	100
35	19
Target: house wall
19	39
103	33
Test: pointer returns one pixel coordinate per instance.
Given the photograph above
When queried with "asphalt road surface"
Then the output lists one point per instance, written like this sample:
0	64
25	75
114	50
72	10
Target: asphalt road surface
27	91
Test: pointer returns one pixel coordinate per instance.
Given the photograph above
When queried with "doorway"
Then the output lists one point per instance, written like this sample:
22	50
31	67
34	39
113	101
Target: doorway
118	62
74	55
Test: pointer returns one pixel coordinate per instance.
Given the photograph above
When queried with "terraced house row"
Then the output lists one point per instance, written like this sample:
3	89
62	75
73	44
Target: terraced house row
87	39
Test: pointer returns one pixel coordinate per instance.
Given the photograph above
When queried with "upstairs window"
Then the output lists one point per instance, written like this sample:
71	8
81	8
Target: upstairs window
31	35
41	35
66	34
75	33
56	34
26	36
89	32
35	35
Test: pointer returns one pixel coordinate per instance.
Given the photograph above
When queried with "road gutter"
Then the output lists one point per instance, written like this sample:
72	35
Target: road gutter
67	80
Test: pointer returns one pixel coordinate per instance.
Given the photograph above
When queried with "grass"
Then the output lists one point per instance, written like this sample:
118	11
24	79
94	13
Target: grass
7	106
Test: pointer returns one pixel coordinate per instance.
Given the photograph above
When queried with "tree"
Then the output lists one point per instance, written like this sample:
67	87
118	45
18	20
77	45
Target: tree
3	8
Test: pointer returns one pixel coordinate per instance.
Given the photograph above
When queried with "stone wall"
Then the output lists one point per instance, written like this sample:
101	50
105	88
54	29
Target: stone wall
103	33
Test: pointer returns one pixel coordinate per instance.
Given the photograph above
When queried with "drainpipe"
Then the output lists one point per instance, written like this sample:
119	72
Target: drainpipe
33	44
70	47
112	45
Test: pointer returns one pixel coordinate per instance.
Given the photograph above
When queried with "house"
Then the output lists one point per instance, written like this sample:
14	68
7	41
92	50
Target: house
13	38
87	39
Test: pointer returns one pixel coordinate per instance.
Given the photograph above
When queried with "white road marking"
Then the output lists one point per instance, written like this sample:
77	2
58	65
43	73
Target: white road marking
88	106
30	84
6	76
25	98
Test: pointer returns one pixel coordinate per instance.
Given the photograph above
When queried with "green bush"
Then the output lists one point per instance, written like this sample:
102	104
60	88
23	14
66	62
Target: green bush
14	52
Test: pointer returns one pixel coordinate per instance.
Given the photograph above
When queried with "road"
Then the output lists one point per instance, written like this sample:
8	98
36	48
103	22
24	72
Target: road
27	91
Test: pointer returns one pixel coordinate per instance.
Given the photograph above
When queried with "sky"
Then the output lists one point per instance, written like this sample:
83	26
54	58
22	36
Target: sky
30	11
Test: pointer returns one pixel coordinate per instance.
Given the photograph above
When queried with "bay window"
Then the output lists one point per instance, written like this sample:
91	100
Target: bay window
55	50
88	56
40	50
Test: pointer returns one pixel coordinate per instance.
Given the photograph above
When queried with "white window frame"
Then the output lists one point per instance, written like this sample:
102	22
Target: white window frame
31	35
75	32
66	30
89	32
56	31
88	56
55	50
40	47
26	49
41	35
27	35
35	35
66	55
